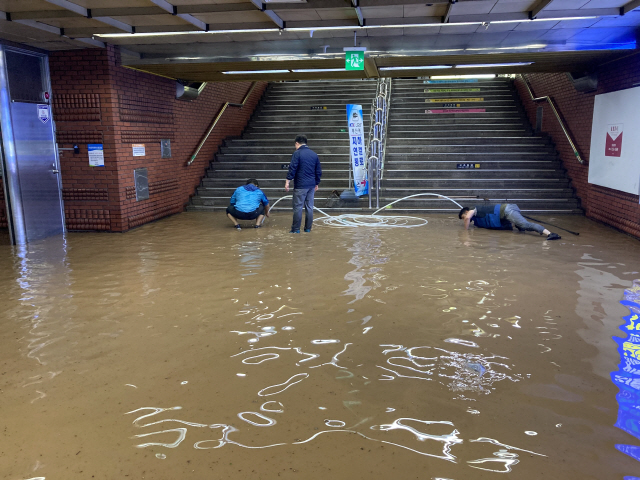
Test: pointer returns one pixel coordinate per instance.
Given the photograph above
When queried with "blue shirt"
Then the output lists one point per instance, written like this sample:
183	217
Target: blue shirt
247	198
304	169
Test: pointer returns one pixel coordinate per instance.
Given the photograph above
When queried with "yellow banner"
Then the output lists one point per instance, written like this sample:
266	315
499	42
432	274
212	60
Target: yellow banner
453	100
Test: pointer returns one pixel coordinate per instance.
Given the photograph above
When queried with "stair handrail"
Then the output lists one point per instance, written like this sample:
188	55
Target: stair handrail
377	137
217	118
385	123
556	113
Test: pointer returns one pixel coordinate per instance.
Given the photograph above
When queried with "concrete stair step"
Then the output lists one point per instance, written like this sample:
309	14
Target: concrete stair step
503	142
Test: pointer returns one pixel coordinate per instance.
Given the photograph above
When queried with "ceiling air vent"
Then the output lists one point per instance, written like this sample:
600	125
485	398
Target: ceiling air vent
584	82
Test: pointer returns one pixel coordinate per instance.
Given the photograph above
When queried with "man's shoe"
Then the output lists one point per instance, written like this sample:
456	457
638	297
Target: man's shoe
257	226
553	236
238	227
307	230
294	231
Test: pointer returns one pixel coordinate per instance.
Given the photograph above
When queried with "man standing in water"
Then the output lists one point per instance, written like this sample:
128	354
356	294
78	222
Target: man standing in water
500	217
305	171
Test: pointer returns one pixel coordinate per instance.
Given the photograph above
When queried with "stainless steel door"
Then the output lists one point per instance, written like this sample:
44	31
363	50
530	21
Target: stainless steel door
28	145
38	171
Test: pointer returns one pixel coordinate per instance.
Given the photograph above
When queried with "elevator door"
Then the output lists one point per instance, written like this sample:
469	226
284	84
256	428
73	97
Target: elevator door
29	148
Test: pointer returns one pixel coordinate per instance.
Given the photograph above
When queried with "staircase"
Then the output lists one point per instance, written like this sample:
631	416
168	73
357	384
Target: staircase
424	150
265	148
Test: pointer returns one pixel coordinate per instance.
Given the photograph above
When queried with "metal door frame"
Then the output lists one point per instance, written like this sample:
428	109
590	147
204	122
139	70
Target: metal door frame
8	159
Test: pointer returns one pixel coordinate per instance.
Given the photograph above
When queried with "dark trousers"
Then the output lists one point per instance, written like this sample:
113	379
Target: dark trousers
302	196
231	209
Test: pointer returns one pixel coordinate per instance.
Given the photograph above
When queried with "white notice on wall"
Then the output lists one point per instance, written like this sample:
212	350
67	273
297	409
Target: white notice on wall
138	150
96	155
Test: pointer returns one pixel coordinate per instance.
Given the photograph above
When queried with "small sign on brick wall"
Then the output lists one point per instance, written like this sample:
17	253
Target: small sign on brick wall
138	150
96	155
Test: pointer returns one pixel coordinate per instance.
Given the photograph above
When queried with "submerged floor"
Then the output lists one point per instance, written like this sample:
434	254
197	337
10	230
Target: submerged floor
186	349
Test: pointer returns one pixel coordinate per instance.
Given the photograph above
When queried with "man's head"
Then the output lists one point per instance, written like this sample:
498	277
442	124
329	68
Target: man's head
463	212
300	140
253	181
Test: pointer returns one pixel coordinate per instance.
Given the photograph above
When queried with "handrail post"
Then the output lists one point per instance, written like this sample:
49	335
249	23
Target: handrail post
556	113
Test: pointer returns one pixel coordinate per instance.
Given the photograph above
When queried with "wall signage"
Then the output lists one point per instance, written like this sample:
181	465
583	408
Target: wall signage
138	149
96	155
43	113
357	148
613	142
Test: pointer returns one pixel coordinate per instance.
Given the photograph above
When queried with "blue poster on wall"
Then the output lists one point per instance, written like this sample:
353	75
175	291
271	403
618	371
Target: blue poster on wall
627	377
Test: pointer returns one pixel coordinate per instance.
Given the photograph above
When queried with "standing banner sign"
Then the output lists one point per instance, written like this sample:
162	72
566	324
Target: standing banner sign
356	147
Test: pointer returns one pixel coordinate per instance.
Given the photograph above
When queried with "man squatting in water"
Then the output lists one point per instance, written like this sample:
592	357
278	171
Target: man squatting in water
500	217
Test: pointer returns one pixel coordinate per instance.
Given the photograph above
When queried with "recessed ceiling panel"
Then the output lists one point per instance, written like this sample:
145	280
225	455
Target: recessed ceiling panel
566	4
473	8
511	6
336	13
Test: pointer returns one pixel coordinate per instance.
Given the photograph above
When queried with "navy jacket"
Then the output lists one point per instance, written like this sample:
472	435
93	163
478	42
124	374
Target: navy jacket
304	169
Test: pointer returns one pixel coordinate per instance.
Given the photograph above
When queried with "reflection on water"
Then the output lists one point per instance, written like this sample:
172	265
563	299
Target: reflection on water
627	378
185	347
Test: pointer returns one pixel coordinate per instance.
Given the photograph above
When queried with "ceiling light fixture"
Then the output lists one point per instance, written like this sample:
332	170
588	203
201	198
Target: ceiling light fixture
451	77
319	29
314	70
555	19
423	67
488	65
253	72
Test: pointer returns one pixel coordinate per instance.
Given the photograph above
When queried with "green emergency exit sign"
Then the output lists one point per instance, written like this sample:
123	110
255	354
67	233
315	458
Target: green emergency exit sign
354	60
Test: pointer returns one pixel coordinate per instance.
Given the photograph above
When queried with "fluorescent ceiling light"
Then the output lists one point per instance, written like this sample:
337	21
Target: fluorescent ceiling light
561	19
488	65
313	70
338	28
425	67
447	77
535	45
253	72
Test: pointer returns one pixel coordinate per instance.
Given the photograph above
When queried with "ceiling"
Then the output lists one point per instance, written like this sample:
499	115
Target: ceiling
198	40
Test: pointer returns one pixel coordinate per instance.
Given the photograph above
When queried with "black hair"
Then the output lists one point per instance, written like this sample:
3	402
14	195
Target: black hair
301	139
463	211
254	181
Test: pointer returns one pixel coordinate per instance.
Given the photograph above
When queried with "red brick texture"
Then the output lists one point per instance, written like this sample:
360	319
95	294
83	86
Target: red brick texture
95	100
617	209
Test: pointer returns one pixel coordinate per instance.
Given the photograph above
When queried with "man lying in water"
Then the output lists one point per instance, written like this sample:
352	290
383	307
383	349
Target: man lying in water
501	217
248	202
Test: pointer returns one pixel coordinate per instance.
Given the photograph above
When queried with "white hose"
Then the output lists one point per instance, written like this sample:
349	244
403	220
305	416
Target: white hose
373	220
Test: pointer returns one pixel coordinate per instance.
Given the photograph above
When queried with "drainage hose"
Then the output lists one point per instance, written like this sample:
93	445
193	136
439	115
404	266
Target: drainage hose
551	224
374	220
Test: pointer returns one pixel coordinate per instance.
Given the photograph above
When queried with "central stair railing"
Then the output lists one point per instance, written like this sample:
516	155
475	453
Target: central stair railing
376	145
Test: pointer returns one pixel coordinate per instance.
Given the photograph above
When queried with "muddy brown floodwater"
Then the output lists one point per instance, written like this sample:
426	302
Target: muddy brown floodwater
187	350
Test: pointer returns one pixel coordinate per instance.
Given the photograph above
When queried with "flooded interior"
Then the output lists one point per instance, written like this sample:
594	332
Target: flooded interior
186	349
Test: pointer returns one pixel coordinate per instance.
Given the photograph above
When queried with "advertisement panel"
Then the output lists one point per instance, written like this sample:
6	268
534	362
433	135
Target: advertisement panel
357	148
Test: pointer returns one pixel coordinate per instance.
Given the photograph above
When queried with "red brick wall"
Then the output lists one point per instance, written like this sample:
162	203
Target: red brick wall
618	209
95	100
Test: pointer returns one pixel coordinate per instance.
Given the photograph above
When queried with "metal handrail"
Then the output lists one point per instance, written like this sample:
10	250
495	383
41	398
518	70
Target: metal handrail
376	146
387	106
556	113
217	118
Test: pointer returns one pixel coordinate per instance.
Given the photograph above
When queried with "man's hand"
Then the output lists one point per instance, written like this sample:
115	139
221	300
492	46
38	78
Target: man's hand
286	186
316	188
467	221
